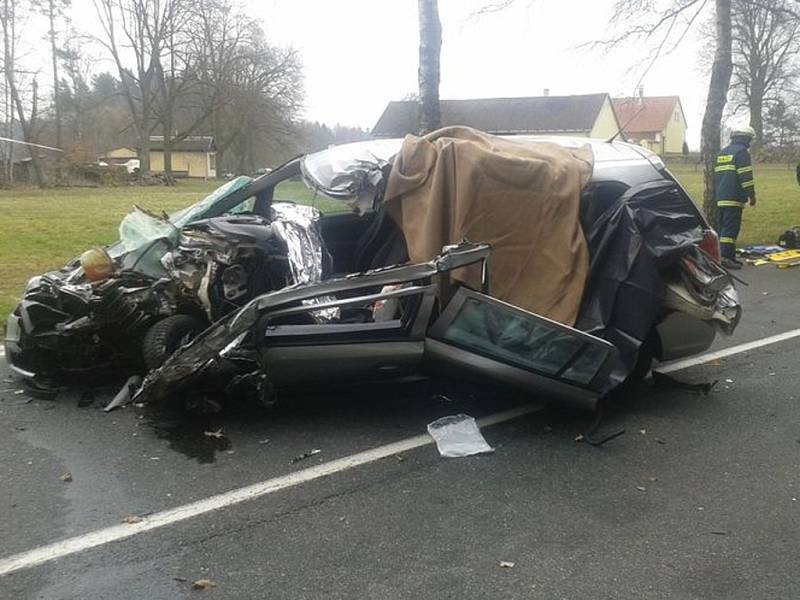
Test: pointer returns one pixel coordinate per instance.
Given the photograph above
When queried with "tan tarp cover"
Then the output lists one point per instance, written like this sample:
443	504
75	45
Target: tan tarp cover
458	183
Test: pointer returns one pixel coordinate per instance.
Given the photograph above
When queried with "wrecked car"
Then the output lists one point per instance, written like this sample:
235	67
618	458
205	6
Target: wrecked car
560	266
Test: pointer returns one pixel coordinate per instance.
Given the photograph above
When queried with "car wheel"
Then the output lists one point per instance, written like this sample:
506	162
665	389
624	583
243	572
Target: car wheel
166	336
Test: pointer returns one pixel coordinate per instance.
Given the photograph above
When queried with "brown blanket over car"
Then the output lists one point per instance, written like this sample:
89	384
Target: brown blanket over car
458	183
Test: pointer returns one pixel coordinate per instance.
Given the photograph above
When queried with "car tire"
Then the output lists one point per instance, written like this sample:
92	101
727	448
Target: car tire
166	336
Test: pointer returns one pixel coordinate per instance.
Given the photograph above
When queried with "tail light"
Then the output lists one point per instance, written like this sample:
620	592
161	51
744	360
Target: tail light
710	245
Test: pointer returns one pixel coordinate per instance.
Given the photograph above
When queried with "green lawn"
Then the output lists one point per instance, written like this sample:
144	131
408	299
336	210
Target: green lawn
778	206
41	229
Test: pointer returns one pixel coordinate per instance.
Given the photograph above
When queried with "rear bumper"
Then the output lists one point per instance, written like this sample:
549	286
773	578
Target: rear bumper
681	334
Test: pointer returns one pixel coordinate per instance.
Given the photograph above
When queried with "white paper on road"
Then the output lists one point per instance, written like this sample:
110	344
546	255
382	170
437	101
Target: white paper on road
458	435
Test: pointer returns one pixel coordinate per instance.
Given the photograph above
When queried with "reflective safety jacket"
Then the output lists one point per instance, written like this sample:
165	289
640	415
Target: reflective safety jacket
733	176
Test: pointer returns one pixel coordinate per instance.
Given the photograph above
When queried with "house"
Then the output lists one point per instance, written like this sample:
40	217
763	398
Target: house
194	156
655	122
589	115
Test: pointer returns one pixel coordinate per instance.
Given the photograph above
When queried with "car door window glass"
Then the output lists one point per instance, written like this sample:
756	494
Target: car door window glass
508	335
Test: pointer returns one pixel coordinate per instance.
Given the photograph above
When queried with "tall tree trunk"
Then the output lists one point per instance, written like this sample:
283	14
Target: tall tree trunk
144	135
168	178
51	9
27	129
756	106
430	47
715	105
56	98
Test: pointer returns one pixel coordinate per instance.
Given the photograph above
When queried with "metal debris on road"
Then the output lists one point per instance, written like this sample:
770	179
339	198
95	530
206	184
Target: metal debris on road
125	394
217	435
306	455
506	564
664	381
457	436
132	519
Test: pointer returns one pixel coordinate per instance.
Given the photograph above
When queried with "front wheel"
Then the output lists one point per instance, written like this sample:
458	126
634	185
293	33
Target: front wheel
166	336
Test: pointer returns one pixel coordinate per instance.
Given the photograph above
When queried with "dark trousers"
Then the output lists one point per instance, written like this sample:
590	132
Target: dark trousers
730	223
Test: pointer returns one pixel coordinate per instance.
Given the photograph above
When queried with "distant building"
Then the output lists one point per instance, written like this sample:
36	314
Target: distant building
589	115
655	122
195	156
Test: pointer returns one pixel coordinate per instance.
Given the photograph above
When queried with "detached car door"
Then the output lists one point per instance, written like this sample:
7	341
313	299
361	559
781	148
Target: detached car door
480	337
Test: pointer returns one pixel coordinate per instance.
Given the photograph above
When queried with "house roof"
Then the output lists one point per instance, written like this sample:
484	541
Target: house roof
537	114
193	143
646	114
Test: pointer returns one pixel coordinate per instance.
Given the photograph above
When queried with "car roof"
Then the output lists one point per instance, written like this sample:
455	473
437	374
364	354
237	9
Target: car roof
603	150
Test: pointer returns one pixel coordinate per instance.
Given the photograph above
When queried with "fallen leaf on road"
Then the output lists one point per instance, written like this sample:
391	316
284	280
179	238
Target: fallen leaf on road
506	564
217	435
203	584
306	455
67	477
132	519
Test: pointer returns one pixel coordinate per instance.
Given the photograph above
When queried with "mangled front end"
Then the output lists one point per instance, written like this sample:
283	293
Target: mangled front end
97	311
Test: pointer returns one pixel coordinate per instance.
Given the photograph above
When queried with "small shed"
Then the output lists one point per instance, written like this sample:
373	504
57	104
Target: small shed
194	156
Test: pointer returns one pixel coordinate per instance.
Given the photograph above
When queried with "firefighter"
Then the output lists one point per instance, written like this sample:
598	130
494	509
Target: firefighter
733	187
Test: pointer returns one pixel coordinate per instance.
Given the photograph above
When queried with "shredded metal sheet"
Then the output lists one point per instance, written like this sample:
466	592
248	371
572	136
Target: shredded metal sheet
298	226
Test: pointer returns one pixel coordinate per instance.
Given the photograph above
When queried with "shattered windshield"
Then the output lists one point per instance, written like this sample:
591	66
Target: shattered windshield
199	210
141	227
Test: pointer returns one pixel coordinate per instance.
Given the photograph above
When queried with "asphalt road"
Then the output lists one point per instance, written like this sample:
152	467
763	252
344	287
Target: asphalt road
699	499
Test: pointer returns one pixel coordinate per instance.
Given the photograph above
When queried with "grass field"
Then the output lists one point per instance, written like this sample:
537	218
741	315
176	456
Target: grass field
41	229
778	206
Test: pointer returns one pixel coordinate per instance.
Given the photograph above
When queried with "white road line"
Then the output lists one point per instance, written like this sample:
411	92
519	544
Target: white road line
100	537
114	533
679	365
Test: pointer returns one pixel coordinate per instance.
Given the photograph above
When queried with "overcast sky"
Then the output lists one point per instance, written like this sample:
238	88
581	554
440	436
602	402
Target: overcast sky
360	54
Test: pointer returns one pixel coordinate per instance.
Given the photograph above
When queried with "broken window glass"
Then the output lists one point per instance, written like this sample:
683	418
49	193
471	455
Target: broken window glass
510	336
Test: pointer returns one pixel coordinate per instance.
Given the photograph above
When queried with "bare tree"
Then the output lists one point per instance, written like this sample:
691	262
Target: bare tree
142	29
665	25
430	47
252	90
8	21
766	43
